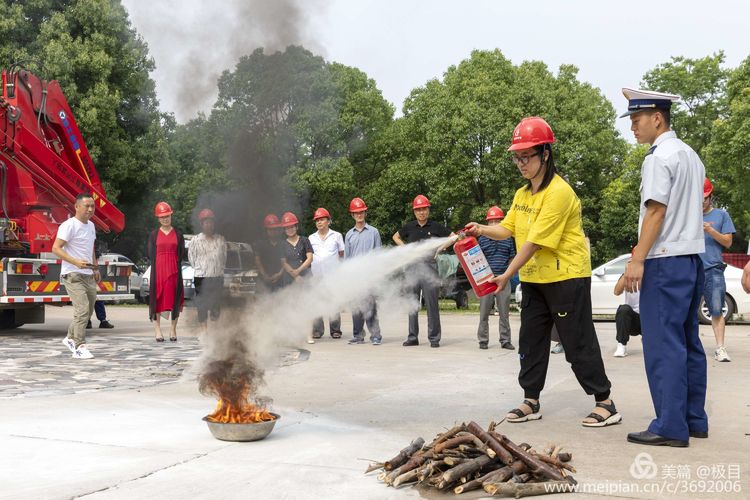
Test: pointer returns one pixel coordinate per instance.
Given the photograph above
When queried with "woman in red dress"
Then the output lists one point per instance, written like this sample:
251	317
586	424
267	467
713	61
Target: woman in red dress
166	251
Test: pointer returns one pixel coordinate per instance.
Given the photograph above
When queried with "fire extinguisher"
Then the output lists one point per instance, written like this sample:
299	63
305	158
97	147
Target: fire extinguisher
475	264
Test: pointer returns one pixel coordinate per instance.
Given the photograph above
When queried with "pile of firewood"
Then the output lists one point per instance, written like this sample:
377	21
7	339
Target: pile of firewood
467	458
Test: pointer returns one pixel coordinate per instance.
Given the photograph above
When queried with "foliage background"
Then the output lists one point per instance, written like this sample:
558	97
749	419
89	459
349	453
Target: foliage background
292	131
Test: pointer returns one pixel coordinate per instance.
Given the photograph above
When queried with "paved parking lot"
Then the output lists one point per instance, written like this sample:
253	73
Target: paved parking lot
127	425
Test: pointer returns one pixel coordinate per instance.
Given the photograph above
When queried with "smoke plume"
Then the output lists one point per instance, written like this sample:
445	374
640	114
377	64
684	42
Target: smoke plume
248	341
193	41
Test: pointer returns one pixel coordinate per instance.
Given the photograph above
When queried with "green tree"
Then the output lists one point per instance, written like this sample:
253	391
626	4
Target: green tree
451	142
621	209
728	154
702	85
103	67
289	131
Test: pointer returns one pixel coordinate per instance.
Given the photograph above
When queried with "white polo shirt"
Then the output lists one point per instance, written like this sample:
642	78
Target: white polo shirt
326	251
672	174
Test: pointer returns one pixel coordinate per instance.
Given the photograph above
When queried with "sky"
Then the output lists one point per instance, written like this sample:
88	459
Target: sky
403	44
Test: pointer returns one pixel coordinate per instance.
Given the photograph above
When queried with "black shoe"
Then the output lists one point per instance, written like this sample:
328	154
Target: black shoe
410	343
483	345
649	438
88	325
317	335
434	344
509	346
106	324
699	434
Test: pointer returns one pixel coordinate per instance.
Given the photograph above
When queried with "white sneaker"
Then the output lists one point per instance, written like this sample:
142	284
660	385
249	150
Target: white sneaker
82	352
720	354
621	351
69	343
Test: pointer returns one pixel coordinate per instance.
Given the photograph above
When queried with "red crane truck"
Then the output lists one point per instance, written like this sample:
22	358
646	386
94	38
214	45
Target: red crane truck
44	165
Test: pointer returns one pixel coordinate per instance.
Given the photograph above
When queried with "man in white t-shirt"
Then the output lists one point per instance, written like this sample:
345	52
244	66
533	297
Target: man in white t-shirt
79	271
328	250
627	318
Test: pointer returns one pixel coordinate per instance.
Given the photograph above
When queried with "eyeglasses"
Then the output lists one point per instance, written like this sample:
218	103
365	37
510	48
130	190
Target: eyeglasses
522	160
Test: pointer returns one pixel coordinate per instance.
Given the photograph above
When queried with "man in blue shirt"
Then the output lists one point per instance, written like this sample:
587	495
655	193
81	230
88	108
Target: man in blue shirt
718	230
498	254
360	240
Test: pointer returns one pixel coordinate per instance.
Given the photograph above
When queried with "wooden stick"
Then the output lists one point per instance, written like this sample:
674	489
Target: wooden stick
491	442
522	478
535	465
447	435
404	455
519	490
496	476
374	466
453	461
453	442
407	477
465	468
556	462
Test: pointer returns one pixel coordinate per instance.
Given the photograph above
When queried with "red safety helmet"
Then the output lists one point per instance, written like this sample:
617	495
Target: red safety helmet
495	213
289	219
532	131
708	188
357	205
271	221
420	201
321	213
162	209
206	213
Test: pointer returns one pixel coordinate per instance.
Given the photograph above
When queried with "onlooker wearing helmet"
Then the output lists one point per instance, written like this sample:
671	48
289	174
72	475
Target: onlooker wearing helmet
667	269
427	279
555	268
298	253
361	240
498	254
269	255
166	251
207	254
718	230
328	250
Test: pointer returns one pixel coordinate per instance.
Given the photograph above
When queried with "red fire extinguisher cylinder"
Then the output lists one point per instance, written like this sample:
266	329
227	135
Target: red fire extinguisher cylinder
474	264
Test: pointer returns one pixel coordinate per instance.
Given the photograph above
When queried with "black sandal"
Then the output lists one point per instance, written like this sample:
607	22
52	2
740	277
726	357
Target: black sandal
160	339
612	419
173	339
525	417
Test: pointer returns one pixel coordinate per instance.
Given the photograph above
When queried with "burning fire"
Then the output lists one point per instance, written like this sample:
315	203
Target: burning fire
232	381
246	413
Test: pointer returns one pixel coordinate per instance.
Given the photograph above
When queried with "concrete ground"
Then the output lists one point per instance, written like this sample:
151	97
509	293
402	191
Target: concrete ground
97	433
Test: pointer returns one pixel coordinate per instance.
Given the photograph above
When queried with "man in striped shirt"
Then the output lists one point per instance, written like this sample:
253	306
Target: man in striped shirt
498	254
208	257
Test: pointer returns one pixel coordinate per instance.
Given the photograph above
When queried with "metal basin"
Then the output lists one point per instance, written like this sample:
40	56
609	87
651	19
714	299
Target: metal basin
242	432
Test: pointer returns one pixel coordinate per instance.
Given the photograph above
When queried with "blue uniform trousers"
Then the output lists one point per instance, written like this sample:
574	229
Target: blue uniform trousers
675	361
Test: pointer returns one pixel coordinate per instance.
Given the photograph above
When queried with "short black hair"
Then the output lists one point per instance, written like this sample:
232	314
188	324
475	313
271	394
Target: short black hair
82	195
665	113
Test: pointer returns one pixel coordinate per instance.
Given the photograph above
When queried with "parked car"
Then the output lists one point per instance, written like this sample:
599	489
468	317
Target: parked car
240	275
187	282
605	303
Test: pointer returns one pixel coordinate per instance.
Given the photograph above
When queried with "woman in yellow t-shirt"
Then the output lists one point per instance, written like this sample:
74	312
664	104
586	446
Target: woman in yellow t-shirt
554	264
